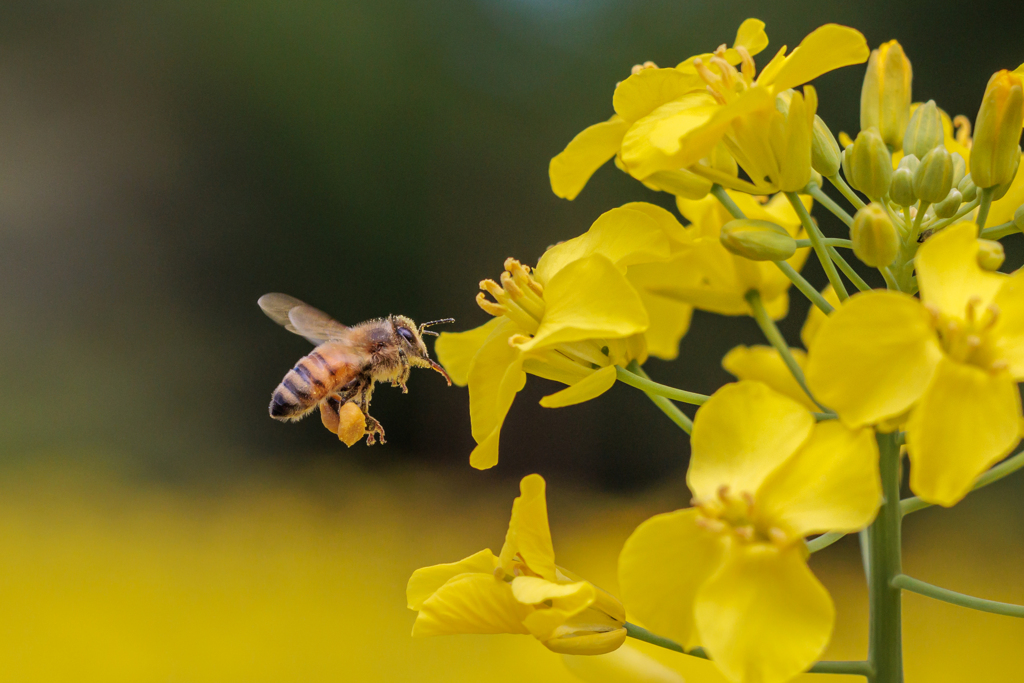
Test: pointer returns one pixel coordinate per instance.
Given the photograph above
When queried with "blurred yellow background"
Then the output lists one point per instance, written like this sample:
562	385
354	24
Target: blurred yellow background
278	577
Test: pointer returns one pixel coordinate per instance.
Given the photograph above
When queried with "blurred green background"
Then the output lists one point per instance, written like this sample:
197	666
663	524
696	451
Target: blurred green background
163	164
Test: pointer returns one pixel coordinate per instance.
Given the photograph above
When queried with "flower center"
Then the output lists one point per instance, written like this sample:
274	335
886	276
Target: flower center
736	514
519	297
969	340
727	82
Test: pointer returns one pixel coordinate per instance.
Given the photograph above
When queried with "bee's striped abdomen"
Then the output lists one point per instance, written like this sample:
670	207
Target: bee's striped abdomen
303	387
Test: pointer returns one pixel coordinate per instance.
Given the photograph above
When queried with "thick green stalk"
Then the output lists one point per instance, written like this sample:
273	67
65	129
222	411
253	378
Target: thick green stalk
828	242
819	246
666	406
827	202
721	195
843	188
885	633
985	205
909	583
998	232
847	269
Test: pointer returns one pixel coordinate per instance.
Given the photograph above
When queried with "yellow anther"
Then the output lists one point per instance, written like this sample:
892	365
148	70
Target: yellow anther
510	286
723	491
748	498
720	50
494	289
706	74
962	125
489	307
712	525
637	68
746	63
933	311
745	532
999	365
778	536
727	70
517	339
972	341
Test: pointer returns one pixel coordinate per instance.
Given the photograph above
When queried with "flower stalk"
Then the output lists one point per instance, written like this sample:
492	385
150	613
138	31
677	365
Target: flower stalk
885	633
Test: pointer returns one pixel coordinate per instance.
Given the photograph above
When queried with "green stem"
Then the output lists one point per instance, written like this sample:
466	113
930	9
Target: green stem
1003	469
915	229
639	382
855	668
847	269
961	212
828	242
984	206
885	633
805	287
666	406
819	247
998	232
721	195
890	279
775	338
826	201
913	585
824	541
850	195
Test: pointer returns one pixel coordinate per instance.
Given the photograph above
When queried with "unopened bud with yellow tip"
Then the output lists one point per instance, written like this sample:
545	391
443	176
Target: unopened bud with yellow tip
825	153
948	207
874	237
995	152
934	176
757	240
870	164
967	188
959	168
990	254
924	132
901	187
885	95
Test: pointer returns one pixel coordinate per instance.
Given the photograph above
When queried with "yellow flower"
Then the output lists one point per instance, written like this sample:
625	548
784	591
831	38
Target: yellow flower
730	574
718	280
581	312
885	95
521	590
745	115
647	89
952	359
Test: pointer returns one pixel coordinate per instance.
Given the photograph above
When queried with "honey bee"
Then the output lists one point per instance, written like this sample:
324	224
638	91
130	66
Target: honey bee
345	364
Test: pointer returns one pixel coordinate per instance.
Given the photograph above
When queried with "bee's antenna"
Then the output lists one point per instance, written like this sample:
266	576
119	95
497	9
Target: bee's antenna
424	326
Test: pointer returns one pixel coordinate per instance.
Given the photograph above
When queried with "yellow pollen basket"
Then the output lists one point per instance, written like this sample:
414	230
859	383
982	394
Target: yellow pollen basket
969	340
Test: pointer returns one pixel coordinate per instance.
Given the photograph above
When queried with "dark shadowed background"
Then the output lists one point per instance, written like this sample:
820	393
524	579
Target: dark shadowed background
163	164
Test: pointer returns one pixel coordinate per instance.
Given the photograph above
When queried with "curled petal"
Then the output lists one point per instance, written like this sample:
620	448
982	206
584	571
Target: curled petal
646	90
662	566
560	602
742	434
570	170
764	616
529	536
591	386
495	377
456	350
424	582
825	49
967	420
764	364
873	357
471	603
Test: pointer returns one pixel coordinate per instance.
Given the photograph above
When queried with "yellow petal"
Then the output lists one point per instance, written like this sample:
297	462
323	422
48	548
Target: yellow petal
588	299
529	536
663	564
873	357
751	36
764	364
826	48
697	142
424	582
1003	209
815	317
623	235
1008	332
678	236
495	377
570	170
568	641
967	420
646	90
455	350
948	272
564	601
741	435
592	386
625	665
670	320
471	603
831	484
653	143
764	616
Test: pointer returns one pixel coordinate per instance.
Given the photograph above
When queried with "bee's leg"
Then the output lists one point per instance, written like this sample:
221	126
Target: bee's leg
373	429
403	376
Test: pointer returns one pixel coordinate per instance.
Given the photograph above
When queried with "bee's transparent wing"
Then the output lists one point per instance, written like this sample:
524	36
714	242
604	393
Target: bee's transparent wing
300	318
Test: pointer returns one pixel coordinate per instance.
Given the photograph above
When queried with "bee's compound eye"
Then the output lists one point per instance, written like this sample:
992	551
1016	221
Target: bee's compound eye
407	333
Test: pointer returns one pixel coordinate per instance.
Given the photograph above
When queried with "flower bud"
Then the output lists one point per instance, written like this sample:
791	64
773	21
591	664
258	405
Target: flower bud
1003	188
948	206
1018	217
845	159
825	152
967	188
870	164
901	187
909	162
934	176
959	168
885	95
757	240
990	254
598	629
924	132
875	241
995	152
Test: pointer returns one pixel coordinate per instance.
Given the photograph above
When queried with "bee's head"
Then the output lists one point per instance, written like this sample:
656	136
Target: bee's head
410	338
